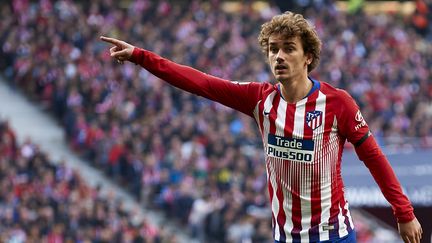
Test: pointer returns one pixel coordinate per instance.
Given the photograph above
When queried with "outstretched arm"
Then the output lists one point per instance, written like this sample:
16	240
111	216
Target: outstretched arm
239	96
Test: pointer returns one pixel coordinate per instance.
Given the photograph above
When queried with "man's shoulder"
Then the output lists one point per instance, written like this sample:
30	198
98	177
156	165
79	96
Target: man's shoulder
259	90
266	87
330	90
265	84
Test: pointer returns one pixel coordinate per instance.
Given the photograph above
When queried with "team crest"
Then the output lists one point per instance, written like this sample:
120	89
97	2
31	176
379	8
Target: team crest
314	119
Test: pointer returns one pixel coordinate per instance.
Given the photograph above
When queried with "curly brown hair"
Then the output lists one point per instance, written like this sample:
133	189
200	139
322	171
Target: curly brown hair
290	24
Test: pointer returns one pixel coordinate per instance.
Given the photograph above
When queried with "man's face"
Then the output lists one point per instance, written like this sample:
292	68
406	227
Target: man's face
286	58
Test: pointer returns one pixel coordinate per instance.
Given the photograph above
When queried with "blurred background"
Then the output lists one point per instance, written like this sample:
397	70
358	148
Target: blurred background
94	151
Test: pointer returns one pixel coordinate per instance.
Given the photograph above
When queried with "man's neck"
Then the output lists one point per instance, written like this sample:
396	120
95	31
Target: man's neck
296	90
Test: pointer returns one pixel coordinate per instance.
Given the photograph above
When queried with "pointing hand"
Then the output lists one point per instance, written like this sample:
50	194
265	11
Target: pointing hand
122	51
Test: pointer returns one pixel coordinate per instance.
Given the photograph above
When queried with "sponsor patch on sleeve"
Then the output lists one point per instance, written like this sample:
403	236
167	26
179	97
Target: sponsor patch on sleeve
361	122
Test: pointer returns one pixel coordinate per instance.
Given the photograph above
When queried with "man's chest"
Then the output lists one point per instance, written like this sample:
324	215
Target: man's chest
298	131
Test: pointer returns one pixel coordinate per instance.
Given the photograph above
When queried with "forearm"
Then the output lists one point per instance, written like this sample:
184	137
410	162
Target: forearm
180	76
239	97
370	153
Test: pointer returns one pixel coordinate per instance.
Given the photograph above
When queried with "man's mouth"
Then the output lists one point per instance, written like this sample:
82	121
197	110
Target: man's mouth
280	67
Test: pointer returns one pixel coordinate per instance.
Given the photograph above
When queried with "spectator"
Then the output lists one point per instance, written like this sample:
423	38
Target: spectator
43	202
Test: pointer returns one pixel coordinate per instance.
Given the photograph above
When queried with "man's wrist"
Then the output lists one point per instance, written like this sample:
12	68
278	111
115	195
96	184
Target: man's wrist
405	217
136	55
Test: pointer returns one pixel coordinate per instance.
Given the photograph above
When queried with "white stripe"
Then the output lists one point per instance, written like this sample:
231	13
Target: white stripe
284	172
342	226
334	146
274	202
304	173
280	120
325	175
299	118
268	103
349	215
332	155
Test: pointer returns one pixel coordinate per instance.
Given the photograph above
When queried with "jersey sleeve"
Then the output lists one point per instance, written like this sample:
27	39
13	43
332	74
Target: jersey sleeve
381	170
354	128
352	125
239	96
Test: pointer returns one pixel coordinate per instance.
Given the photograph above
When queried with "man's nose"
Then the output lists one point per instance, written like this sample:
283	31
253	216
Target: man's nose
280	56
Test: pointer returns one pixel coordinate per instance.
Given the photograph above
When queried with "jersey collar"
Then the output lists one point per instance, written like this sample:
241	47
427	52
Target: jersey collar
315	86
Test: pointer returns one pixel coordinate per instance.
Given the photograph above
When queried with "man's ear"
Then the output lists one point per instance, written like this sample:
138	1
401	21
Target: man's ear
309	58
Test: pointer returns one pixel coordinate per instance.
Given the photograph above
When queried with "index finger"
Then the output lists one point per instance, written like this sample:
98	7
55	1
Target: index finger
110	40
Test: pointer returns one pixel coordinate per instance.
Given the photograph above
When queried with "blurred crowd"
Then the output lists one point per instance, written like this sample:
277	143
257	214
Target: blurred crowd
422	18
45	202
198	161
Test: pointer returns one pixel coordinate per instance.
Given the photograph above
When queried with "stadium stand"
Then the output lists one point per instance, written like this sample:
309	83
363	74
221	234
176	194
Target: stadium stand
45	202
199	162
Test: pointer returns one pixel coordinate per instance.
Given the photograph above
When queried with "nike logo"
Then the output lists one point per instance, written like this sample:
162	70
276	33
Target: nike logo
266	113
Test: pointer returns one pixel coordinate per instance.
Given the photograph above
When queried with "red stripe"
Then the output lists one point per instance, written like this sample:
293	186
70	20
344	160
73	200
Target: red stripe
341	194
261	117
294	171
345	213
334	167
281	217
269	184
270	188
315	182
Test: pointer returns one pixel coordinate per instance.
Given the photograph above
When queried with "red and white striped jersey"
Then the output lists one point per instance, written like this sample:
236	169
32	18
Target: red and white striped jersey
303	143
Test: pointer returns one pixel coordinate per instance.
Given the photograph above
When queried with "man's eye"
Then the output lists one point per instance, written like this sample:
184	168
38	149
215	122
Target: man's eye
273	50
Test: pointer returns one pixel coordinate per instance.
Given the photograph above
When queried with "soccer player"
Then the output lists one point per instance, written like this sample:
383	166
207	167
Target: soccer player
304	124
